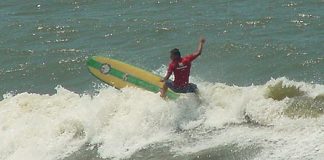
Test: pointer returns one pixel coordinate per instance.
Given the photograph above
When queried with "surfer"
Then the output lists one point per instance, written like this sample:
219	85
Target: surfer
180	67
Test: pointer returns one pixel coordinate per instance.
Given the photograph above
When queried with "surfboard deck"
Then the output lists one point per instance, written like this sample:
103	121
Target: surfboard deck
119	75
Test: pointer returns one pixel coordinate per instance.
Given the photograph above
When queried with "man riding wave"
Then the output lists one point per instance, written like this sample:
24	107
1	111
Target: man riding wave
180	67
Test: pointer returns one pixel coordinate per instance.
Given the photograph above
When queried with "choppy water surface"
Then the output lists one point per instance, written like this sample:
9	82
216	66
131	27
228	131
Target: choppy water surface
260	78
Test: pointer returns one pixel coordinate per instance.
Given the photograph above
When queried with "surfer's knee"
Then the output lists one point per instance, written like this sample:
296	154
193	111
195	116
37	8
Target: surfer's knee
192	88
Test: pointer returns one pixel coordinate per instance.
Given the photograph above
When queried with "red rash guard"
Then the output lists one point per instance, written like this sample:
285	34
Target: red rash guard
181	70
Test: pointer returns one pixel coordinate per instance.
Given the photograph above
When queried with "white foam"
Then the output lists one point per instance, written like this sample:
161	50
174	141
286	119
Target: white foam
279	136
56	125
48	127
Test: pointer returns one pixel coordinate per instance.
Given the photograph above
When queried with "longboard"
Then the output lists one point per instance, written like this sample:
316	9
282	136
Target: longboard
119	75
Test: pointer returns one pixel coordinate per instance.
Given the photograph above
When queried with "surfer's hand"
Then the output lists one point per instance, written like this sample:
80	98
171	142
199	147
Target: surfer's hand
202	40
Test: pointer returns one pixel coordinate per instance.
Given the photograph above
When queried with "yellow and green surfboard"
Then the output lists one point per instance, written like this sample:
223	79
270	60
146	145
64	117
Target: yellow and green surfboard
119	75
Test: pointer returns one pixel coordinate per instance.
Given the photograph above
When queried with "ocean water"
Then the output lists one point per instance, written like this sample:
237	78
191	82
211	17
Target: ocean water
260	76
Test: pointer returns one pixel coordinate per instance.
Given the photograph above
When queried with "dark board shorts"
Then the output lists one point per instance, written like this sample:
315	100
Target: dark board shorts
190	88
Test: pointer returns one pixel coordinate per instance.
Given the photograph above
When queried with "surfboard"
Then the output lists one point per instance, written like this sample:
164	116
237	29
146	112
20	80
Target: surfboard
119	75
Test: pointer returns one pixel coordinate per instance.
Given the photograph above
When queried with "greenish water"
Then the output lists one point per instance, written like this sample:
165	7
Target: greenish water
49	97
46	43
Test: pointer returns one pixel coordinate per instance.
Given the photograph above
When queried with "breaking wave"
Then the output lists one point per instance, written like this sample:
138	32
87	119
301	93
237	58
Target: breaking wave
117	124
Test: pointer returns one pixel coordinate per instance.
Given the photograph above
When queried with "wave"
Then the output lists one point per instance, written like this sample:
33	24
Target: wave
117	123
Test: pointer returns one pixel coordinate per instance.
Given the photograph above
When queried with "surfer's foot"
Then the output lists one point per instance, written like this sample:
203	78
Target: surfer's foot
162	95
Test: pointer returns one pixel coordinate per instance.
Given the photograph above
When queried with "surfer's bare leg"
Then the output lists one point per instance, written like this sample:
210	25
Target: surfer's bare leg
164	90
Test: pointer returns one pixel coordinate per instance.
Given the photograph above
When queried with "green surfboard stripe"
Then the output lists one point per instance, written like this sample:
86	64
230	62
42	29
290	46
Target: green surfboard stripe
131	79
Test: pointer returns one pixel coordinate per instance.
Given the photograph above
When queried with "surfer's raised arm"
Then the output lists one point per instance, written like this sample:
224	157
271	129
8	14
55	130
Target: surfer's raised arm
200	47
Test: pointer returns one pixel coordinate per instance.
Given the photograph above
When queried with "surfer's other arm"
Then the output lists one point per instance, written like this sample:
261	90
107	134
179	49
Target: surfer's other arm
167	76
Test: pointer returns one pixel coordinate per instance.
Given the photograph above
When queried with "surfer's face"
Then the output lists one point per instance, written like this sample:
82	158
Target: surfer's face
174	57
175	54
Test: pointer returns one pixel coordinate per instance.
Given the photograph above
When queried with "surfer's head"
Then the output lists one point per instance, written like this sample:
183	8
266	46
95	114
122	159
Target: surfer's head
175	54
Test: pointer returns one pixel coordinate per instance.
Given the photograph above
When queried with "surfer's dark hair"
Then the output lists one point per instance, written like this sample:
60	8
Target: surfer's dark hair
175	52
